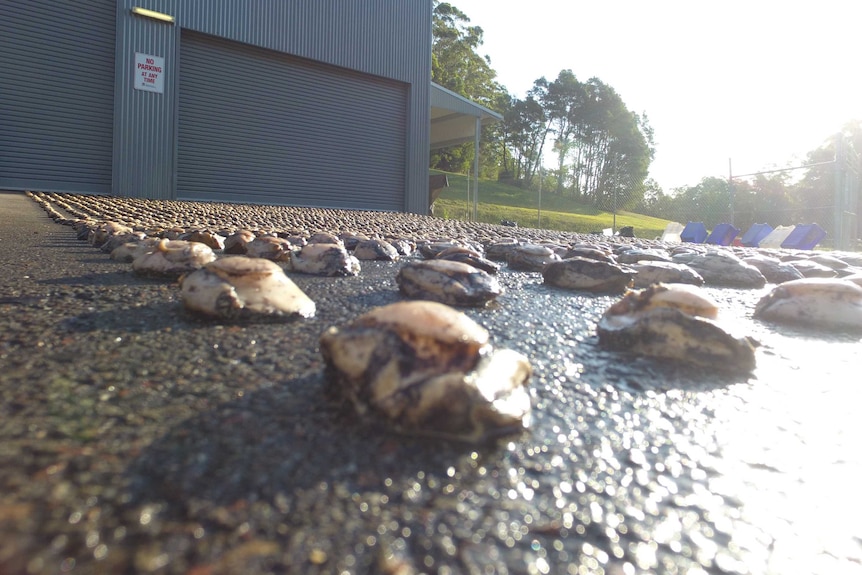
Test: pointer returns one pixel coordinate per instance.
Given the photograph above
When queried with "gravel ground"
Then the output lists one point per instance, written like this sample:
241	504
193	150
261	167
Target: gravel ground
136	438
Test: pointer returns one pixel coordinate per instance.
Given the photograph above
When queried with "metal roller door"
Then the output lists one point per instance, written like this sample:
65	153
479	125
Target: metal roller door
259	126
57	95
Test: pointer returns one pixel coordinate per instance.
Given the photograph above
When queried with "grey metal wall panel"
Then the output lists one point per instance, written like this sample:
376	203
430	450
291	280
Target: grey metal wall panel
70	119
56	95
261	126
144	152
385	38
381	37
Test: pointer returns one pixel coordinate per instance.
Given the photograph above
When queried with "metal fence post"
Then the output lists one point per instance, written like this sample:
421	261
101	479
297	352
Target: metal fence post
478	134
730	188
539	215
838	195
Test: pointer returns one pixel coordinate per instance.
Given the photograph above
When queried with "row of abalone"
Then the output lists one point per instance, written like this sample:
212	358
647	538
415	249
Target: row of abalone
225	253
530	250
455	269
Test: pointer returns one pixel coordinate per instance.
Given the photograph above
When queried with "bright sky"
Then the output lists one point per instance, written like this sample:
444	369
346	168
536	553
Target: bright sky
759	82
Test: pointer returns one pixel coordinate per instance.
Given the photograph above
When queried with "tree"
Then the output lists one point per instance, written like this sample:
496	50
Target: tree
455	63
707	202
562	100
457	66
817	192
602	149
762	200
527	124
653	201
612	152
504	137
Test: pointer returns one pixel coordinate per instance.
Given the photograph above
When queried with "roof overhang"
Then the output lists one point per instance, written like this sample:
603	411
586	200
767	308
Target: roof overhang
453	118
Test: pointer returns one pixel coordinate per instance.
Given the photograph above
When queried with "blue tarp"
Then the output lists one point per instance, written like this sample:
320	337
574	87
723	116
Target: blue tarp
755	235
804	237
722	235
694	232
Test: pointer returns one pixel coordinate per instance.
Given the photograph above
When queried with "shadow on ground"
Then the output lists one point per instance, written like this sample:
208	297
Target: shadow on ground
282	439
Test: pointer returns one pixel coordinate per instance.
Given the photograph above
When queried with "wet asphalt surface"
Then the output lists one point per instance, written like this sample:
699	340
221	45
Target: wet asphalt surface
136	438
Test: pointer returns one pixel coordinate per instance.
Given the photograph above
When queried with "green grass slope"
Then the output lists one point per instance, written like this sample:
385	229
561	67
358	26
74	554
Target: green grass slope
498	201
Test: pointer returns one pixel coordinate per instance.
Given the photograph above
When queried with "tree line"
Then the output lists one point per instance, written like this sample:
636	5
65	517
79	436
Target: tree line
601	150
777	197
597	141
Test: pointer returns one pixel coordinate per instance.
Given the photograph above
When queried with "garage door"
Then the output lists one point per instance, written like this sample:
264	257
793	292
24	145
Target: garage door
263	127
57	95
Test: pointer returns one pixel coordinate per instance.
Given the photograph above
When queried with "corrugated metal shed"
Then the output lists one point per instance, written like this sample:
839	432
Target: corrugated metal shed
385	38
72	119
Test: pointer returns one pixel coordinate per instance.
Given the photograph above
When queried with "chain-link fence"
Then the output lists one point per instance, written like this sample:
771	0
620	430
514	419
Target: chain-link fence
826	193
848	189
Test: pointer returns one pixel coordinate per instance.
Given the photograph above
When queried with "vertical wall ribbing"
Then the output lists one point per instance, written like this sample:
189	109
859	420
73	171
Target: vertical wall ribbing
388	39
144	122
56	94
298	141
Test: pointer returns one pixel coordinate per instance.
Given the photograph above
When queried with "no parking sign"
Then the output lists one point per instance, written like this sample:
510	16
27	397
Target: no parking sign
149	73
